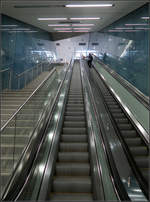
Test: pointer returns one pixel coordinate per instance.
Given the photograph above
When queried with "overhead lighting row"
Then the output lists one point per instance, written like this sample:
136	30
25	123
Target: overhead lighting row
88	18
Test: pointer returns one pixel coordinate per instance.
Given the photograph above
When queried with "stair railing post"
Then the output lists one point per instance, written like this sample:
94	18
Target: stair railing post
10	79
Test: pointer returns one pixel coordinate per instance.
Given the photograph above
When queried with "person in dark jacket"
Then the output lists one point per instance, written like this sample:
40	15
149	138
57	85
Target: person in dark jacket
90	59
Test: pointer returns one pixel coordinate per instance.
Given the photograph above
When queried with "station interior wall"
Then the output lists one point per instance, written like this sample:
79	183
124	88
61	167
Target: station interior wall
123	46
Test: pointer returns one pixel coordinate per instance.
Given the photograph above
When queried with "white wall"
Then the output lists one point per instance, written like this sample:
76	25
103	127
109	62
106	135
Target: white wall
68	47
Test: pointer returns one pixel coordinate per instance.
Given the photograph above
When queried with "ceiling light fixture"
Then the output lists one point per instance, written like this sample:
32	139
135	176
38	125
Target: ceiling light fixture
62	28
88	18
82	25
59	25
81	31
52	19
87	5
145	18
64	31
136	24
84	28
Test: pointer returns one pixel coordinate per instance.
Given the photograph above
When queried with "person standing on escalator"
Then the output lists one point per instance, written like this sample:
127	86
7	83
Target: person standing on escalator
90	59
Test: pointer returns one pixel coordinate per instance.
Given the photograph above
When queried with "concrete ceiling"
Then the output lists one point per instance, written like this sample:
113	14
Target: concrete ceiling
28	11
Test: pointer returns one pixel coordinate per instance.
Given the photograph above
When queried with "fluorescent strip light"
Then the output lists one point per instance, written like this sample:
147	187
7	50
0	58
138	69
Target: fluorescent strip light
132	30
52	19
87	5
59	25
62	28
136	24
88	18
86	28
115	30
81	31
145	18
78	25
118	28
64	31
8	25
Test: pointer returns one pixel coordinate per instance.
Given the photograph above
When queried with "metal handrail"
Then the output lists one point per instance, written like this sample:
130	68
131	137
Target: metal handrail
10	75
4	70
27	71
132	89
19	109
39	66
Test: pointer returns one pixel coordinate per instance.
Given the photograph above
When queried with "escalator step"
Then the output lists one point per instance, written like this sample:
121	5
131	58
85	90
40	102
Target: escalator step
133	141
70	124
125	126
75	105
74	113
73	147
74	130
141	150
118	115
72	184
115	110
74	118
75	102
74	138
76	109
114	106
120	120
71	197
72	97
142	161
73	156
129	133
72	169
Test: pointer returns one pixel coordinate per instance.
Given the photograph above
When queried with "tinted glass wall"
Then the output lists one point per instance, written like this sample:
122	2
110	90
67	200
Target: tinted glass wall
124	46
23	47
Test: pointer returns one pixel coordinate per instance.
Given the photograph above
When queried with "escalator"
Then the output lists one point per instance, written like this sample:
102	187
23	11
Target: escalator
73	161
133	142
72	178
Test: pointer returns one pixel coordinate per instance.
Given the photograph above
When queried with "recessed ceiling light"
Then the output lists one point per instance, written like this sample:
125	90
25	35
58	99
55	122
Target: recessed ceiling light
88	18
62	28
8	25
145	18
136	24
52	19
64	31
87	5
80	28
82	25
81	31
59	25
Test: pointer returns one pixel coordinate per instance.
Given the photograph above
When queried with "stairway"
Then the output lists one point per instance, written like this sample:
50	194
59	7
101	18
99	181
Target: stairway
16	135
72	178
137	147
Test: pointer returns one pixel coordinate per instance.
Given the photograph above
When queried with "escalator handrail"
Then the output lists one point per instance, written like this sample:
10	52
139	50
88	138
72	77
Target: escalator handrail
132	89
30	151
123	143
114	176
27	100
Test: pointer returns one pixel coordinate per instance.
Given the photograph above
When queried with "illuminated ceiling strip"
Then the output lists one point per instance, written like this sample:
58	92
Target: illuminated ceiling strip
59	25
52	19
87	5
88	18
77	25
